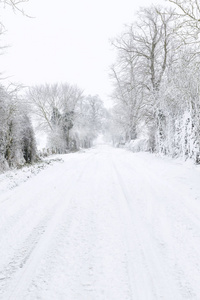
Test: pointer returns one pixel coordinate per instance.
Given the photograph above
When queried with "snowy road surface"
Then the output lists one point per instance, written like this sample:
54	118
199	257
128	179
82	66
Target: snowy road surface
106	224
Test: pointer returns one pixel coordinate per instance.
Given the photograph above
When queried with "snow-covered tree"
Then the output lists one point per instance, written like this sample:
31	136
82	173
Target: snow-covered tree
156	80
27	137
54	108
70	119
89	121
144	53
17	140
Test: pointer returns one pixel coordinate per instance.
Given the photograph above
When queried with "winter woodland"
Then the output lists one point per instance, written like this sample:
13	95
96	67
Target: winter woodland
156	95
156	81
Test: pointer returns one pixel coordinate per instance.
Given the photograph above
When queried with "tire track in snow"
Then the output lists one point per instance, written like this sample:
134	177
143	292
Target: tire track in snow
149	269
114	281
18	272
77	225
141	255
175	231
91	257
171	240
22	255
136	276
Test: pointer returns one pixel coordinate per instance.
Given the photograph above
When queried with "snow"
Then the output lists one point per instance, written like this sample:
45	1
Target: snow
138	145
104	224
13	178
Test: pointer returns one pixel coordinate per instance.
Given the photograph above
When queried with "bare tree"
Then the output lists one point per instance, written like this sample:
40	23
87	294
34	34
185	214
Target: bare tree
148	43
145	50
128	100
54	107
188	12
189	8
15	4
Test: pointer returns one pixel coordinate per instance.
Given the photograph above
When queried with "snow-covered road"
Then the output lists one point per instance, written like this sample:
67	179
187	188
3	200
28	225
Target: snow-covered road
106	224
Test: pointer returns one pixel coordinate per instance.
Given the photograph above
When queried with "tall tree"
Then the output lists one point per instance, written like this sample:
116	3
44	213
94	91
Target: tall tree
17	140
54	107
188	12
145	50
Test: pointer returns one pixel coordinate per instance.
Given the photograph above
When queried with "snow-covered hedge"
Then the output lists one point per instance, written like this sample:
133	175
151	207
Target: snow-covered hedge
138	145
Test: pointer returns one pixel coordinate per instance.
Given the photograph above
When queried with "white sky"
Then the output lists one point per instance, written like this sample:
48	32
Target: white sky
66	41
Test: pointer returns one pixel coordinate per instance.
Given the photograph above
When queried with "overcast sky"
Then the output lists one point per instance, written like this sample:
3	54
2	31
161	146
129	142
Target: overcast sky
66	41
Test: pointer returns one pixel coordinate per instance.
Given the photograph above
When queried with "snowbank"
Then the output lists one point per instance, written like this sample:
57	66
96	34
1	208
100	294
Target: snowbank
12	178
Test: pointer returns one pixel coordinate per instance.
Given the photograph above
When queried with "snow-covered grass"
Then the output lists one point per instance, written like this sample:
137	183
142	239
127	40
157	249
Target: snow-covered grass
12	178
